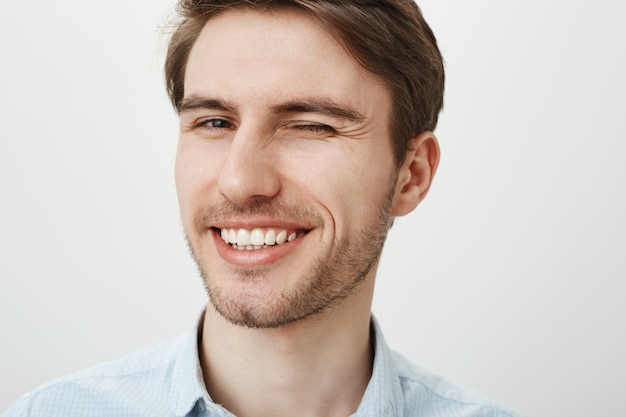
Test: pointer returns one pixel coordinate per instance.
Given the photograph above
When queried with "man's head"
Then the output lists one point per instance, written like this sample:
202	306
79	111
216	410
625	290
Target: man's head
389	38
286	173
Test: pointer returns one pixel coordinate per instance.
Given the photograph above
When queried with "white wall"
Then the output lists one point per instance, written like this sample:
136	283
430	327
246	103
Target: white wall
509	278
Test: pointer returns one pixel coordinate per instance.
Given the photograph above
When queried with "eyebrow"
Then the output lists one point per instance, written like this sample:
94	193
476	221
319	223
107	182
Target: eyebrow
320	106
194	102
315	105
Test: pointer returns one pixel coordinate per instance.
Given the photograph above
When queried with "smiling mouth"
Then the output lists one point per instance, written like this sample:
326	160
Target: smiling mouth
255	239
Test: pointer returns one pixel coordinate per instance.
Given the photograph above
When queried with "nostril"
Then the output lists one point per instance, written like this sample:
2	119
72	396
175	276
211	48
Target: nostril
248	172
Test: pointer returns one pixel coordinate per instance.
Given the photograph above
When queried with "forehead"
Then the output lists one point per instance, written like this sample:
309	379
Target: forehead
278	53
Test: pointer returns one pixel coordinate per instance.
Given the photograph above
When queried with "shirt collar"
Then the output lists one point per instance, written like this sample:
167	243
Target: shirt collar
187	389
383	395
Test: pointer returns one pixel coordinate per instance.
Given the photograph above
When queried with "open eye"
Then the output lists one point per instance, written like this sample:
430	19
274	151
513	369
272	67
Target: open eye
215	123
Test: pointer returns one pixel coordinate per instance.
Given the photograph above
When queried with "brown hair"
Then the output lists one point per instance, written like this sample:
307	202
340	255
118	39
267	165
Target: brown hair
389	38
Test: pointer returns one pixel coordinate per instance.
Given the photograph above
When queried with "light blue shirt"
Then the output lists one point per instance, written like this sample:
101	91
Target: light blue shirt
166	380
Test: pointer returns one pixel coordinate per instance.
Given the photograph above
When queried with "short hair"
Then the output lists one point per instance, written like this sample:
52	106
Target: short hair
389	38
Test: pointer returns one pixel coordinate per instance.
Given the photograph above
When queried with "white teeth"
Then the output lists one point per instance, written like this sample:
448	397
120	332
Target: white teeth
257	238
281	237
270	237
244	239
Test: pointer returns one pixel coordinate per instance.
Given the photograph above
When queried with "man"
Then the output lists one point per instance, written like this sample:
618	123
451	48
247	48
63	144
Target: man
305	128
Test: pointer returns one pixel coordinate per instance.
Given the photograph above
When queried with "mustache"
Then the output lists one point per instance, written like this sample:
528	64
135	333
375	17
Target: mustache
279	210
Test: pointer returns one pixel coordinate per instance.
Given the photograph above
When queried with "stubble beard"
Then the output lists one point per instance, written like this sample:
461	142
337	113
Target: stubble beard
329	281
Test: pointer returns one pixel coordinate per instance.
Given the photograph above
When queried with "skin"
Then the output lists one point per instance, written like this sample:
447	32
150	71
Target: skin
281	128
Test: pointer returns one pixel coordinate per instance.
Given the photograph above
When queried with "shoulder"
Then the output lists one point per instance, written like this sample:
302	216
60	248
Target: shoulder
426	394
112	388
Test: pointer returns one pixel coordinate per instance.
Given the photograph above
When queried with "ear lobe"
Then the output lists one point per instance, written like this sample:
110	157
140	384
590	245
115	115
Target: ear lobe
416	173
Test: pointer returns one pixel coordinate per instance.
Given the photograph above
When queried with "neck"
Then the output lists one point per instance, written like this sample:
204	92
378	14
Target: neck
317	366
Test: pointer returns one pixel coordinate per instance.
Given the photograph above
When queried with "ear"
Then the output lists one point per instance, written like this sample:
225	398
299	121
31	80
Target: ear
416	173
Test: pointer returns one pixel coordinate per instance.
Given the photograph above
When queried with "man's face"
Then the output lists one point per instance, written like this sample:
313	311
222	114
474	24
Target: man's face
284	171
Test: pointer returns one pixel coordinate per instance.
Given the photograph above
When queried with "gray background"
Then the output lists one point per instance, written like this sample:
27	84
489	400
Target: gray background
509	278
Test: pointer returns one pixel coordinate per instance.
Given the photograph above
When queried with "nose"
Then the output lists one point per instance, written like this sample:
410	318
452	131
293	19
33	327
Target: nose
249	172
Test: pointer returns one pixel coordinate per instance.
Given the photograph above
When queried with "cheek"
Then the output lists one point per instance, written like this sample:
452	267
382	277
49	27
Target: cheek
192	178
347	183
364	187
182	191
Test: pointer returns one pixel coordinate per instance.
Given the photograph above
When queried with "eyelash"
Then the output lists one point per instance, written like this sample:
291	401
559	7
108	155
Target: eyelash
315	128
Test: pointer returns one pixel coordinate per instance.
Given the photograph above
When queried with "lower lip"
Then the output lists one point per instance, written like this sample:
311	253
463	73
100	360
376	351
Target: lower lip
255	257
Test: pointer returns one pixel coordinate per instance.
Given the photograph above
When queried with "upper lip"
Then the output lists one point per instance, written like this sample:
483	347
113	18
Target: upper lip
268	223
